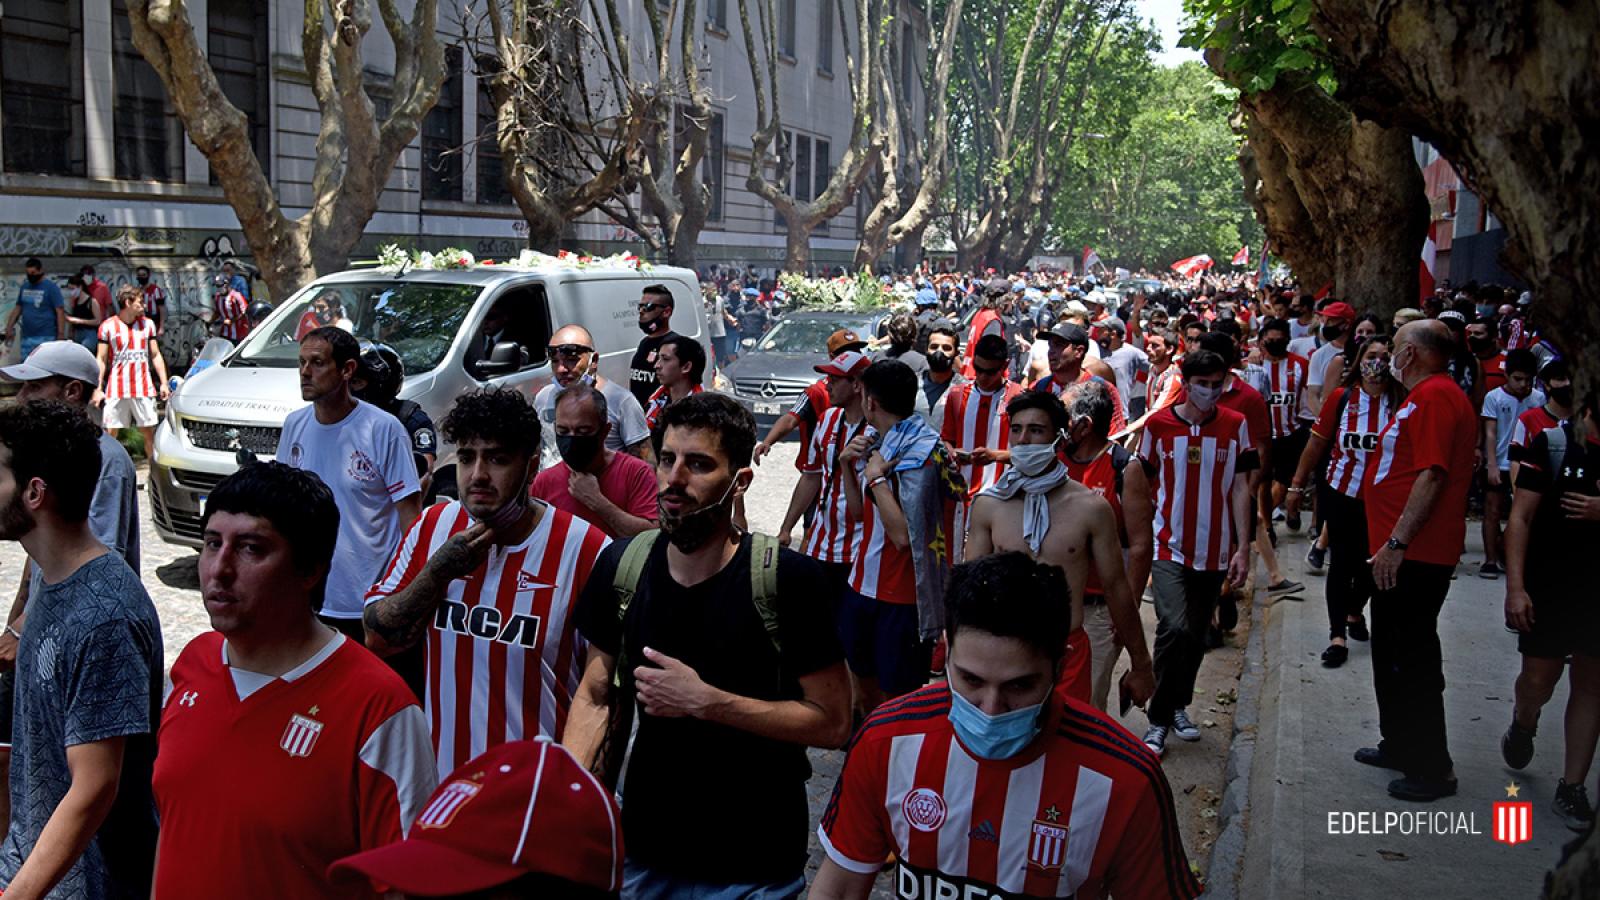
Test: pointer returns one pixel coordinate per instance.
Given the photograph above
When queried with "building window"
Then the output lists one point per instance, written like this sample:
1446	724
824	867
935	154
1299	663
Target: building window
149	136
41	86
236	44
800	185
492	189
441	136
825	36
810	168
821	173
717	14
786	19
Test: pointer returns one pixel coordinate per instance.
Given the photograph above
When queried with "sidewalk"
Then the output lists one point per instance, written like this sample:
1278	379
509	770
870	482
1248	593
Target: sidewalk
1312	719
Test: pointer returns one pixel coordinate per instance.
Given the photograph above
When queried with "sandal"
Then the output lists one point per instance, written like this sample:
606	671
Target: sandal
1334	656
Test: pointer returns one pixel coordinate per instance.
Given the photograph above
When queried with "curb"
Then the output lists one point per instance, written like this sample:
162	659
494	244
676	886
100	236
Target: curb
1226	865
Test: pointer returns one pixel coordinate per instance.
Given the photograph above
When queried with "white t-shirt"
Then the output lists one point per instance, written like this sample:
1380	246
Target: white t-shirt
1317	367
1126	363
365	459
1303	346
622	410
1296	330
1504	410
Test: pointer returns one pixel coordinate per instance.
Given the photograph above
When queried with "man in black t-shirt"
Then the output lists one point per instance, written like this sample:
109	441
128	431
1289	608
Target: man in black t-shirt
1555	520
655	320
716	794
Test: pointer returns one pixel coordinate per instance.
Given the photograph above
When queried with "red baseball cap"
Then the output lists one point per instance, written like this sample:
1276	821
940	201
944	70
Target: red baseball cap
849	363
1338	311
519	808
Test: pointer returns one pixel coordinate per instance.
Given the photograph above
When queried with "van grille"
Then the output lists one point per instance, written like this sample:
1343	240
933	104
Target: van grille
205	482
228	437
183	524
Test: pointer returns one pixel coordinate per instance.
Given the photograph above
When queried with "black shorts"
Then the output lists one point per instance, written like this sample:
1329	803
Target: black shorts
1565	622
881	641
1286	452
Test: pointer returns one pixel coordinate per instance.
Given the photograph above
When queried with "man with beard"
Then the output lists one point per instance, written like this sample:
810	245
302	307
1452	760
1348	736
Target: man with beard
1035	507
655	320
364	456
88	675
614	491
488	583
725	643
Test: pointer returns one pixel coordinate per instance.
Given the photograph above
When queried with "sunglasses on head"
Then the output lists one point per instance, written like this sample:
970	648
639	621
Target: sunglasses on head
569	351
647	307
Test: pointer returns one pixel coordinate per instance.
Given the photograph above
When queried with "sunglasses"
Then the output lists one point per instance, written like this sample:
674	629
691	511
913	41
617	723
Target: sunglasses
983	371
569	351
647	307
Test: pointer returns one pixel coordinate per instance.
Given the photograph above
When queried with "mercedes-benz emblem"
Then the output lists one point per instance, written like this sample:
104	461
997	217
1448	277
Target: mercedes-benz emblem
769	390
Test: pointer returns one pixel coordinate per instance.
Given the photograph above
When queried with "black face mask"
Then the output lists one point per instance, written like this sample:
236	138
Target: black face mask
143	279
1275	348
689	531
578	450
1480	344
1562	395
940	362
1332	332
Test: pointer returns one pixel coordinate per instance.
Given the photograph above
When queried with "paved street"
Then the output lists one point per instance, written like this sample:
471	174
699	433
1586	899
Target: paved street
1313	719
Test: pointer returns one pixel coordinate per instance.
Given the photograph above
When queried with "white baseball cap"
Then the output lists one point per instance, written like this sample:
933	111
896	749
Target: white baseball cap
69	359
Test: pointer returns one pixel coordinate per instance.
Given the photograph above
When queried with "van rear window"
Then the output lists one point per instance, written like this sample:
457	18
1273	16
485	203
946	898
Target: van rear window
418	320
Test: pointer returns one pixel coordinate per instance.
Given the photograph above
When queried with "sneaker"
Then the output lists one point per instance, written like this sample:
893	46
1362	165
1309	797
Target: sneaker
1284	586
1315	557
1572	806
1184	727
1516	746
1155	737
1489	570
1278	515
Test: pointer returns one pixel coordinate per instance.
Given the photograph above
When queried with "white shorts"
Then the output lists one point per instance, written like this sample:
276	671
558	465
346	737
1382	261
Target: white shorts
130	411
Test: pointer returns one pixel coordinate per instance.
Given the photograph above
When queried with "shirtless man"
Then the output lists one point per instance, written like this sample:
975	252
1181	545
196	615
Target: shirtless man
1035	508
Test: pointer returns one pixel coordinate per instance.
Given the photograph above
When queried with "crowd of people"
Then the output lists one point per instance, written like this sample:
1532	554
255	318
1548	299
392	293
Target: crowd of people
445	700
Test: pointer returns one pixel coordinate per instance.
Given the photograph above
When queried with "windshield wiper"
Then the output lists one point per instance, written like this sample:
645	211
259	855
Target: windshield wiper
243	363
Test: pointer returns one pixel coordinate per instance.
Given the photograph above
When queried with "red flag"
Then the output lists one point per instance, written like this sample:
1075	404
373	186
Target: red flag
1326	290
1425	271
1192	266
1090	259
1242	258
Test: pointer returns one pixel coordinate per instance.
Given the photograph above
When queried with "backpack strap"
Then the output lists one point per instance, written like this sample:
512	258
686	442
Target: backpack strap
630	571
764	584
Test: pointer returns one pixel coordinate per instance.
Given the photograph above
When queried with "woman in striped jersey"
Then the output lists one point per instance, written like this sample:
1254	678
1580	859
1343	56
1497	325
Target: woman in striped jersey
1347	432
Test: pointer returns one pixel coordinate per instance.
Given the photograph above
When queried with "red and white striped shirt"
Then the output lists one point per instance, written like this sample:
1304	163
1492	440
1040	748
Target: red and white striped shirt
973	419
881	570
834	534
1193	468
658	403
504	654
1287	378
128	357
1353	437
1083	811
808	409
232	317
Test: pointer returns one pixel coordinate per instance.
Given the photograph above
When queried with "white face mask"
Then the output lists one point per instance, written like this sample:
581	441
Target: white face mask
1396	369
1031	460
1204	397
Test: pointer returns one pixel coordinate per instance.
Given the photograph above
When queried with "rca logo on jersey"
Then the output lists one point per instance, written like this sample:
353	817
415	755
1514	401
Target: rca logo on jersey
1360	442
444	807
924	809
301	735
1047	845
488	623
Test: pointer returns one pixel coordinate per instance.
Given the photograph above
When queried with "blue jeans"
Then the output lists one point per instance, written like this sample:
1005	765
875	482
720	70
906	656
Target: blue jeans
641	883
27	345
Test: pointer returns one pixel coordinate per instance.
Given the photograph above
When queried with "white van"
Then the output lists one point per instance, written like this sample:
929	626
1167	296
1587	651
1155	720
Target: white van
433	320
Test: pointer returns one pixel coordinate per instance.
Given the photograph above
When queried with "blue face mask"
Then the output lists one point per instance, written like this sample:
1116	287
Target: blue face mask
993	737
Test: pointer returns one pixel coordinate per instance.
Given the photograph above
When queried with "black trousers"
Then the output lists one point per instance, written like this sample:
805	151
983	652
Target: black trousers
1349	573
1408	669
1185	599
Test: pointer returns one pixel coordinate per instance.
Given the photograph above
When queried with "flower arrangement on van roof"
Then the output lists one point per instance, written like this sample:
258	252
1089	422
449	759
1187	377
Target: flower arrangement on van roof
858	292
392	257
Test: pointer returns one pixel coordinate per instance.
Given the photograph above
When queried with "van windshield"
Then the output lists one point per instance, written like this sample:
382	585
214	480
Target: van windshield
419	320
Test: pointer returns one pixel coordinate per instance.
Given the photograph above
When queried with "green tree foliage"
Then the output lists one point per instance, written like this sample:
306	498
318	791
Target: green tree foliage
1260	40
1163	182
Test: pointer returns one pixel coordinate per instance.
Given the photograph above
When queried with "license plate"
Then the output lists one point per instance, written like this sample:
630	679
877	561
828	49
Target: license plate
769	409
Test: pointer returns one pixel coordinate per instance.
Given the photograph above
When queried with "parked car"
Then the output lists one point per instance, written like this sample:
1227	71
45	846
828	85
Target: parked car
432	319
771	374
1127	287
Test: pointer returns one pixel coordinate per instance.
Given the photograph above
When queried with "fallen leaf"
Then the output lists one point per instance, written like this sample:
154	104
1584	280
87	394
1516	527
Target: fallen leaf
1393	855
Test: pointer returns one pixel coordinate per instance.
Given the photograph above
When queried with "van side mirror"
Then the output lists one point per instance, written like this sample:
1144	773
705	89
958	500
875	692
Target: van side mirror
505	358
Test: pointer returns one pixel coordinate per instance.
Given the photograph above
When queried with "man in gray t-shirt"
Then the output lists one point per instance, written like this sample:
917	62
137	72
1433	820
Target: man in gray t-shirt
88	677
573	358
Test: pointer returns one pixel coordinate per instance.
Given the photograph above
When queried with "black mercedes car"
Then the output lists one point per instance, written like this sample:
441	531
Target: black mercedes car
768	376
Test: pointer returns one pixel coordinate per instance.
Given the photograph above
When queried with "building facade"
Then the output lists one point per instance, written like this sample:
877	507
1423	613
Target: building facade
95	167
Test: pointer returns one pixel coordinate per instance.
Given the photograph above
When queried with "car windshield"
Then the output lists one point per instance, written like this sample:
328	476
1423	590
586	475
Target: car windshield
807	335
419	320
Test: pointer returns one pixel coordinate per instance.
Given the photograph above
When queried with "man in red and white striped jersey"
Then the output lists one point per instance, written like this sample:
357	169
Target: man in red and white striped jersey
1198	455
1557	409
833	534
232	309
994	785
128	354
489	582
1286	376
809	406
284	745
975	422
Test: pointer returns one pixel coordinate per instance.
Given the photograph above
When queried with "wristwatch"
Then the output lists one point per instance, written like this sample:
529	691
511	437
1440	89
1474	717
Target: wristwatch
1394	543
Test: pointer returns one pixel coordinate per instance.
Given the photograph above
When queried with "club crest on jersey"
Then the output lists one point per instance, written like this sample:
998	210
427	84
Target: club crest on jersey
362	468
1047	844
301	735
526	582
447	803
924	809
1194	456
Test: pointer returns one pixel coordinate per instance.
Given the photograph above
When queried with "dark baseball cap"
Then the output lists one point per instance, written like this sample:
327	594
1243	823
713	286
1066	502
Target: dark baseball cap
1071	333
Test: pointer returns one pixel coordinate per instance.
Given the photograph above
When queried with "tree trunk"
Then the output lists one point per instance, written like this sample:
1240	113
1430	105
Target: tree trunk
1276	200
1510	94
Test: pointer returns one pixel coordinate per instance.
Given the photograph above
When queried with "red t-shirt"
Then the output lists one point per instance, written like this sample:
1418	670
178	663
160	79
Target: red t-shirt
1494	372
1084	810
1434	427
628	481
